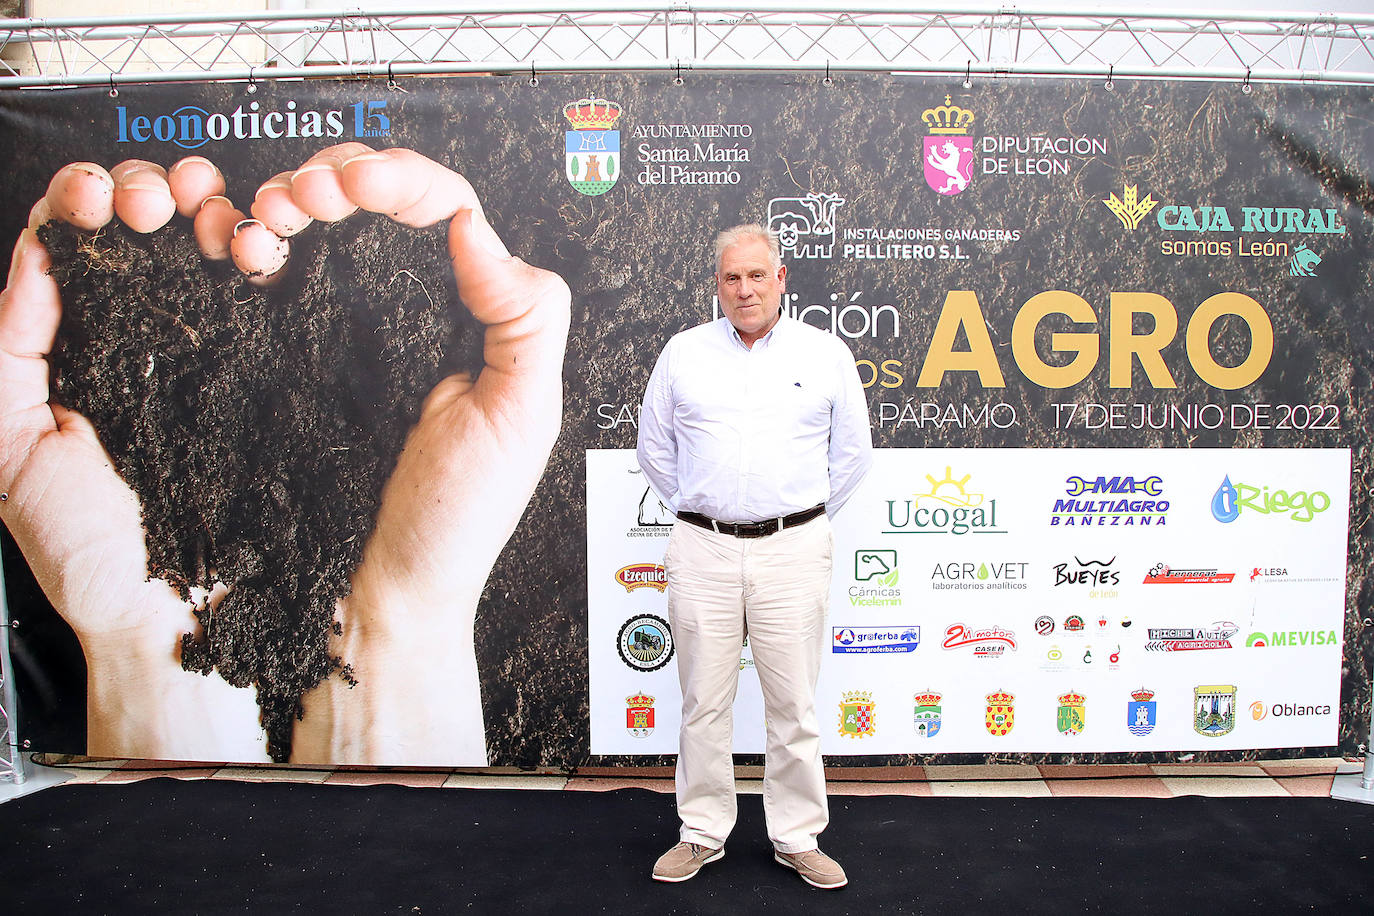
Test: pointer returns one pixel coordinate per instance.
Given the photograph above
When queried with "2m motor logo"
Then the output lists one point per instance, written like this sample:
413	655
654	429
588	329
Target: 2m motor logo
987	642
1230	501
591	160
947	155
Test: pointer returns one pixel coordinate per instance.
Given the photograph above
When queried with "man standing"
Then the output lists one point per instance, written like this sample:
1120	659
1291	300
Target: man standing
754	431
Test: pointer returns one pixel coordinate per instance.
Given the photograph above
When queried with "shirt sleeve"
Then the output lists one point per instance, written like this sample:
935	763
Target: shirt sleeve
657	446
851	441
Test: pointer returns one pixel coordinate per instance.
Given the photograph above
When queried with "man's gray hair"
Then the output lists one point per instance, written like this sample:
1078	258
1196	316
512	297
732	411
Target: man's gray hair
749	232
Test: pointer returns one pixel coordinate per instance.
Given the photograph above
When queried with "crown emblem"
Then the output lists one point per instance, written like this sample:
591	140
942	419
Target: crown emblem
948	118
591	114
930	698
1143	694
639	699
1072	699
857	696
1001	698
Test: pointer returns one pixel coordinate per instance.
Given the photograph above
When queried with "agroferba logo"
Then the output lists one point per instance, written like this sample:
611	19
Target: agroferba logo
191	126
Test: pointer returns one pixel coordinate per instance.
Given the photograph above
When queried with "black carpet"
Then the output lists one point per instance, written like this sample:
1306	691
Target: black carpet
166	846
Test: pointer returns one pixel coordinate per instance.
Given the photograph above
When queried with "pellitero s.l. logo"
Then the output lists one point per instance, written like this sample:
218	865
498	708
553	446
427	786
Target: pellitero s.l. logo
592	149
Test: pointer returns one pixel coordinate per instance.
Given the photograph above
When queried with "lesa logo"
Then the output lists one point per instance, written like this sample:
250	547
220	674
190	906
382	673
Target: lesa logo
949	507
947	153
592	149
805	225
1231	500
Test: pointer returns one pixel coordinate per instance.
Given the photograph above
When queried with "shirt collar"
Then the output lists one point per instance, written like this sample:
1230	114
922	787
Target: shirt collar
766	339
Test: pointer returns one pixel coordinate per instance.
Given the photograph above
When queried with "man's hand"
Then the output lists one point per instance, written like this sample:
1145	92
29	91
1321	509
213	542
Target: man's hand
460	486
77	523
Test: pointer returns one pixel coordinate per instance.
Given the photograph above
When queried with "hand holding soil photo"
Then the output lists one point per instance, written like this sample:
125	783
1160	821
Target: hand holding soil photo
293	471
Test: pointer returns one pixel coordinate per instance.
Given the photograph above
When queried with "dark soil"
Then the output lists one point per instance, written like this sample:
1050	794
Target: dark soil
257	427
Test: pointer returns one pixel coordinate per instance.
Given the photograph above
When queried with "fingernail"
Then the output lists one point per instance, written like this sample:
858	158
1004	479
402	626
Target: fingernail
369	156
487	236
194	160
217	200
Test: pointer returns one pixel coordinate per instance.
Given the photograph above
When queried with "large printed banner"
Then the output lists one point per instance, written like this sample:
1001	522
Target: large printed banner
1058	600
1116	343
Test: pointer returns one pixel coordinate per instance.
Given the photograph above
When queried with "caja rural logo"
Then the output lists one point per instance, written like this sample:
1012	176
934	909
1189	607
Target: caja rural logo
591	150
1209	226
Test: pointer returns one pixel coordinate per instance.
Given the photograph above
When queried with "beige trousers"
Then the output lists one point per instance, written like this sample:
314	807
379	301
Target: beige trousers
775	589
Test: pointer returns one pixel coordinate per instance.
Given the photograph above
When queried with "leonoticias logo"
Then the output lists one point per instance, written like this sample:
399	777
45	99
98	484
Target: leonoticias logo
191	126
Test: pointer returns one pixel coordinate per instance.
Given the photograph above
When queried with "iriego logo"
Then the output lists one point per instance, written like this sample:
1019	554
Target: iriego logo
191	126
1230	500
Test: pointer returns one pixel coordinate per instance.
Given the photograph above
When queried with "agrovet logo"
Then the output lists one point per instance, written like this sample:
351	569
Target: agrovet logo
191	126
592	149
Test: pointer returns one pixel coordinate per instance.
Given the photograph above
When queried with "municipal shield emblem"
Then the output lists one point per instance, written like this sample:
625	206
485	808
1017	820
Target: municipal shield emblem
1140	712
1001	713
639	715
858	717
1072	717
591	151
926	716
1214	710
947	154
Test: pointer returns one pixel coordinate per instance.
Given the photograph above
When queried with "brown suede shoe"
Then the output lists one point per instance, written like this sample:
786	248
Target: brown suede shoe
815	867
683	861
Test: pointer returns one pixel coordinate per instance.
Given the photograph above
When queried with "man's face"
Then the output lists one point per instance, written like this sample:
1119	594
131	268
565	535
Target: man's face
750	288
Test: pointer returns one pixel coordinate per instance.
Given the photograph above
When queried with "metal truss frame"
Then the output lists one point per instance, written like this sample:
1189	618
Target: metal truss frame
680	37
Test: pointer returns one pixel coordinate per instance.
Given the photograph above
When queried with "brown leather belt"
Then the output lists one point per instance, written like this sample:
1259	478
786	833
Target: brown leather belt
753	529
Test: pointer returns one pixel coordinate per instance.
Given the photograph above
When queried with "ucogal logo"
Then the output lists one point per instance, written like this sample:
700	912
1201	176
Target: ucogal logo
191	126
949	507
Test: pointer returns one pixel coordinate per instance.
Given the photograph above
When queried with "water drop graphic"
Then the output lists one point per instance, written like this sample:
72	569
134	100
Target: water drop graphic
983	571
1225	509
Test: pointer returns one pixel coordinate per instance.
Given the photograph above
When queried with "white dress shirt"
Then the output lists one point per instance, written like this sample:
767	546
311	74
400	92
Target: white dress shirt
744	434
